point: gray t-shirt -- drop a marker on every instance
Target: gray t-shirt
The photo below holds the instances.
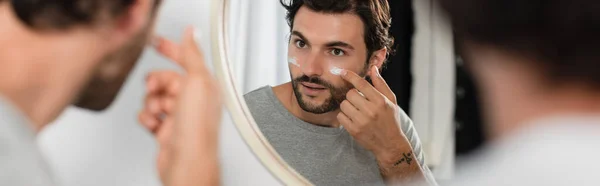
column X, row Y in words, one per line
column 324, row 156
column 21, row 164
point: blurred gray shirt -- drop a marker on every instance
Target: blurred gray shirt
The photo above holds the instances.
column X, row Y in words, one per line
column 552, row 151
column 21, row 163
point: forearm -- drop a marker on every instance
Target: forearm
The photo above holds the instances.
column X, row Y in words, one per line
column 400, row 166
column 195, row 161
column 200, row 170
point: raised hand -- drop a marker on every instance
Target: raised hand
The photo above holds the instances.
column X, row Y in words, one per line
column 183, row 111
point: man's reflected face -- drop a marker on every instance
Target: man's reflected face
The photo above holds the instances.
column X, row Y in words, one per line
column 319, row 42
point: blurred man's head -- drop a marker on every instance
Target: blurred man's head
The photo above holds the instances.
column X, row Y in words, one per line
column 522, row 52
column 126, row 25
column 348, row 34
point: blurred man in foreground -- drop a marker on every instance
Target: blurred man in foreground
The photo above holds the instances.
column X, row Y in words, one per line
column 55, row 53
column 537, row 66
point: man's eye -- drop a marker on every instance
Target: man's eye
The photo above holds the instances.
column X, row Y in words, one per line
column 300, row 44
column 337, row 52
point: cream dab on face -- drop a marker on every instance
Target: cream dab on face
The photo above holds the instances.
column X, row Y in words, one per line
column 293, row 61
column 335, row 70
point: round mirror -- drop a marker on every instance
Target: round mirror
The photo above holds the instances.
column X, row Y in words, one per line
column 291, row 89
column 234, row 99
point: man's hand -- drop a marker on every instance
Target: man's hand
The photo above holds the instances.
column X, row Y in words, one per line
column 184, row 112
column 370, row 115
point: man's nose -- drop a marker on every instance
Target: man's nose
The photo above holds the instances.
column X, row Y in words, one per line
column 313, row 65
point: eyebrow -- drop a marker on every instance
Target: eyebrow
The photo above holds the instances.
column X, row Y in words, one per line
column 298, row 34
column 339, row 44
column 330, row 44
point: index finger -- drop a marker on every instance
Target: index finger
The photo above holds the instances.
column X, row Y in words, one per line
column 193, row 59
column 360, row 84
column 187, row 54
column 168, row 49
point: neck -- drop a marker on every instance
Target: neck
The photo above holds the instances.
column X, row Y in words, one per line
column 43, row 72
column 522, row 111
column 285, row 94
column 518, row 97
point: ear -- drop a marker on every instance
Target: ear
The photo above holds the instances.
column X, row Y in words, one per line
column 378, row 57
column 133, row 20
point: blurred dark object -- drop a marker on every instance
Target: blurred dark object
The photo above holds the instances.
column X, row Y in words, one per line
column 467, row 115
column 397, row 72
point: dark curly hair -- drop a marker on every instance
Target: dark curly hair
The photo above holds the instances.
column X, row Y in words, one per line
column 62, row 14
column 375, row 15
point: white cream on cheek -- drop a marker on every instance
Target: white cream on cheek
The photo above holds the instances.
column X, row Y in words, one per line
column 332, row 69
column 338, row 71
column 335, row 70
column 293, row 61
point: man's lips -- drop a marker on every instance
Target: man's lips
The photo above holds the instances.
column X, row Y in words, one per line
column 312, row 85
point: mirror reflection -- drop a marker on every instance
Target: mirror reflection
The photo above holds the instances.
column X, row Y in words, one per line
column 314, row 79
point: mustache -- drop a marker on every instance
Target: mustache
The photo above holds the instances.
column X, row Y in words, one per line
column 315, row 80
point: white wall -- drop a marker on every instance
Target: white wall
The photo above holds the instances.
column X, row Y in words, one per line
column 111, row 148
column 259, row 37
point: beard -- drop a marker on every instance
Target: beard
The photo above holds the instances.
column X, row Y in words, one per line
column 336, row 95
column 110, row 75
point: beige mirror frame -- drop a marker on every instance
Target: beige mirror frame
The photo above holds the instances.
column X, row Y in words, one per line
column 236, row 105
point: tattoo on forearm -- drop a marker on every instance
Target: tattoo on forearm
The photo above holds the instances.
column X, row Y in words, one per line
column 406, row 157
